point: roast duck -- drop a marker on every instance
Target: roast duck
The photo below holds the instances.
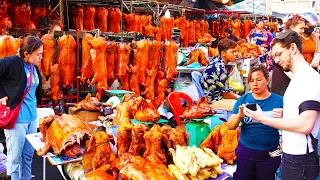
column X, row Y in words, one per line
column 20, row 14
column 101, row 19
column 89, row 13
column 67, row 60
column 114, row 19
column 198, row 110
column 37, row 12
column 78, row 16
column 86, row 66
column 236, row 28
column 166, row 25
column 223, row 141
column 8, row 46
column 63, row 134
column 49, row 45
column 246, row 28
column 4, row 6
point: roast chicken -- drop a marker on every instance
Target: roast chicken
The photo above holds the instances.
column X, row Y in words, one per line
column 67, row 60
column 78, row 16
column 89, row 14
column 103, row 152
column 139, row 168
column 123, row 114
column 89, row 103
column 86, row 65
column 223, row 141
column 20, row 14
column 99, row 174
column 8, row 46
column 153, row 143
column 99, row 65
column 114, row 19
column 138, row 144
column 62, row 132
column 124, row 138
column 101, row 19
column 198, row 110
column 49, row 45
column 55, row 84
column 36, row 13
column 146, row 111
column 198, row 56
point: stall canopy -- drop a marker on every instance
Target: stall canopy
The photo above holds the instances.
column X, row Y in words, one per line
column 279, row 15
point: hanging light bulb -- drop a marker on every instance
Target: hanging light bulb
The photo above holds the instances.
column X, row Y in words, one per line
column 167, row 14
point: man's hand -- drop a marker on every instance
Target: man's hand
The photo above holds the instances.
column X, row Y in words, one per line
column 256, row 115
column 3, row 101
column 277, row 113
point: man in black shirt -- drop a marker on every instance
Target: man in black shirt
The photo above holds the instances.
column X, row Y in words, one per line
column 230, row 35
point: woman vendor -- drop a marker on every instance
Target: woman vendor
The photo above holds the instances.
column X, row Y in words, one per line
column 256, row 139
column 214, row 77
column 258, row 35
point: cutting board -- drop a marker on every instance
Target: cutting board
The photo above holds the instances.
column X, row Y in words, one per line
column 85, row 115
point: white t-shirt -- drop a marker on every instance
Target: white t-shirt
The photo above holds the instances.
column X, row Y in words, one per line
column 304, row 86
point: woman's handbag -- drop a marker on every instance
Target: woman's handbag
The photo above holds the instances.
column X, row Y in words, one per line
column 8, row 117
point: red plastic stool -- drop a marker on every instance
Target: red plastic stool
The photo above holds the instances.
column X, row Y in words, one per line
column 174, row 99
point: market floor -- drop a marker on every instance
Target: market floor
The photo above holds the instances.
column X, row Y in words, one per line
column 52, row 172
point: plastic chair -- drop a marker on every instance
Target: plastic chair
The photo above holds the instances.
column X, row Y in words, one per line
column 174, row 100
column 196, row 76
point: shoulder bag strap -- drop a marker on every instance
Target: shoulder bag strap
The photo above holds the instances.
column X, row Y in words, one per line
column 30, row 83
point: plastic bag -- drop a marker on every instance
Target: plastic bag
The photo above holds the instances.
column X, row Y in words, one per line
column 184, row 84
column 234, row 80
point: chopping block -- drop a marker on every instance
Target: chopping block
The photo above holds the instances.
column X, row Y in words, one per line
column 85, row 115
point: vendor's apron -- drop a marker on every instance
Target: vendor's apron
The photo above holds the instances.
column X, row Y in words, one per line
column 258, row 42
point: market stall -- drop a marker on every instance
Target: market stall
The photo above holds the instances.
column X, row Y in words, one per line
column 112, row 69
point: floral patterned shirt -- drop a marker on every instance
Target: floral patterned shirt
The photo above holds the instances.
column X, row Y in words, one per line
column 214, row 79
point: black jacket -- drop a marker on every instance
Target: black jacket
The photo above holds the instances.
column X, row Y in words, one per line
column 13, row 80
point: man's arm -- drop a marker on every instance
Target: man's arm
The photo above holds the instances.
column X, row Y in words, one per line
column 230, row 95
column 303, row 124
